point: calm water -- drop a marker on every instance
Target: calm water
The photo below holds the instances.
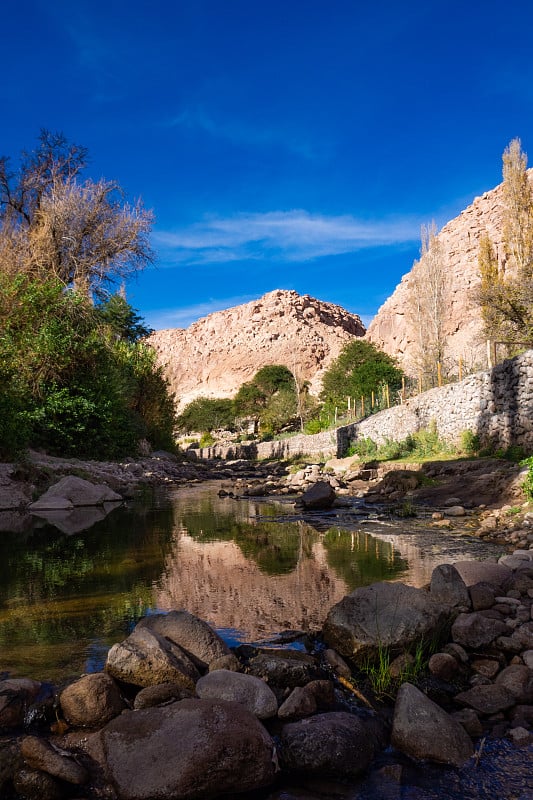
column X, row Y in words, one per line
column 248, row 567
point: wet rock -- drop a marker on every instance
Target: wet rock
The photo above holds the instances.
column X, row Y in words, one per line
column 335, row 743
column 323, row 692
column 320, row 495
column 192, row 749
column 518, row 680
column 36, row 785
column 41, row 755
column 160, row 694
column 146, row 659
column 283, row 668
column 247, row 690
column 420, row 728
column 300, row 703
column 16, row 695
column 91, row 701
column 474, row 630
column 381, row 615
column 10, row 763
column 489, row 699
column 337, row 663
column 230, row 662
column 447, row 587
column 71, row 491
column 201, row 643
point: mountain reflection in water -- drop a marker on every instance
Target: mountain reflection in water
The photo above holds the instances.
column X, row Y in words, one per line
column 64, row 599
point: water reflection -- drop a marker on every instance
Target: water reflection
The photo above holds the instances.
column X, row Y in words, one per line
column 65, row 598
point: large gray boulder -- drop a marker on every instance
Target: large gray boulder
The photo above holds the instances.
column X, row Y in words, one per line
column 473, row 572
column 146, row 659
column 384, row 614
column 335, row 743
column 319, row 496
column 421, row 729
column 193, row 750
column 447, row 587
column 202, row 644
column 247, row 690
column 71, row 491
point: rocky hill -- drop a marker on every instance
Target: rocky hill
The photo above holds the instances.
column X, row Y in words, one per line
column 217, row 354
column 392, row 329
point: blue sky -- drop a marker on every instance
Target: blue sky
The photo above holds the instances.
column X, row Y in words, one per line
column 296, row 144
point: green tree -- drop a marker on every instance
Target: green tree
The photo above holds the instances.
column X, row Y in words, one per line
column 359, row 370
column 270, row 398
column 506, row 288
column 206, row 414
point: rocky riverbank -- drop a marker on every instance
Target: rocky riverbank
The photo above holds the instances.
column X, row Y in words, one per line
column 178, row 714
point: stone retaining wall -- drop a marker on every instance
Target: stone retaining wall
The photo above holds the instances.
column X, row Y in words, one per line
column 496, row 405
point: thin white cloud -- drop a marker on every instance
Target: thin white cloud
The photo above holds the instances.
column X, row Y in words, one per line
column 183, row 317
column 291, row 235
column 241, row 133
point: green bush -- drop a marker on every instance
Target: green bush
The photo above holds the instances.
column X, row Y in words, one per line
column 365, row 448
column 528, row 482
column 469, row 442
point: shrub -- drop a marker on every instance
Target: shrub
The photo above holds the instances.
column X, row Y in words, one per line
column 469, row 442
column 365, row 447
column 528, row 482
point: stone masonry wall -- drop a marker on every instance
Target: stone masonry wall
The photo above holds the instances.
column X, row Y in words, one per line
column 496, row 405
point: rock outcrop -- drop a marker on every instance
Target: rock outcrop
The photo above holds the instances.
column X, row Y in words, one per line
column 217, row 354
column 394, row 331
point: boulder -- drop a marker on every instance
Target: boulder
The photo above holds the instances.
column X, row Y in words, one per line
column 381, row 615
column 71, row 491
column 300, row 703
column 443, row 665
column 421, row 729
column 146, row 659
column 518, row 680
column 320, row 495
column 194, row 749
column 473, row 572
column 283, row 669
column 335, row 743
column 247, row 690
column 474, row 630
column 160, row 694
column 201, row 643
column 91, row 701
column 41, row 755
column 16, row 694
column 447, row 587
column 33, row 784
column 486, row 699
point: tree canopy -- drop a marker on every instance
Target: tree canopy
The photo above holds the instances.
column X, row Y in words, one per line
column 506, row 280
column 359, row 370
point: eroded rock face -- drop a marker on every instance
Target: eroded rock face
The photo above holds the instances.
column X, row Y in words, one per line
column 217, row 354
column 381, row 615
column 422, row 729
column 191, row 749
column 393, row 330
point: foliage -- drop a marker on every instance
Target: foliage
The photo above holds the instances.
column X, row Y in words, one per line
column 429, row 297
column 359, row 370
column 421, row 445
column 271, row 397
column 506, row 286
column 469, row 443
column 207, row 440
column 122, row 319
column 528, row 482
column 205, row 414
column 54, row 224
column 70, row 384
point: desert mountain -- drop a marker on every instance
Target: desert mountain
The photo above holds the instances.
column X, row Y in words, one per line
column 215, row 355
column 393, row 329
